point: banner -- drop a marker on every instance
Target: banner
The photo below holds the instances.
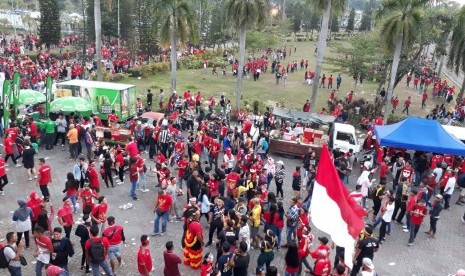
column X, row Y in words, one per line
column 6, row 103
column 16, row 87
column 48, row 94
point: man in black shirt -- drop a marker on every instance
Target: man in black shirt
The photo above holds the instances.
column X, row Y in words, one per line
column 366, row 248
column 223, row 263
column 193, row 185
column 149, row 98
column 62, row 249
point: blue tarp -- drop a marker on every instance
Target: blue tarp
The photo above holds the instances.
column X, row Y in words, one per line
column 419, row 134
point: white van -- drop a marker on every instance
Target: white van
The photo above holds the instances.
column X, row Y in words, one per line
column 343, row 136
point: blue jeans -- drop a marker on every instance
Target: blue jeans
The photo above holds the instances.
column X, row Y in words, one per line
column 73, row 200
column 269, row 177
column 407, row 219
column 180, row 180
column 104, row 265
column 39, row 266
column 14, row 271
column 290, row 230
column 378, row 221
column 290, row 274
column 133, row 189
column 164, row 221
column 364, row 201
column 278, row 237
column 142, row 181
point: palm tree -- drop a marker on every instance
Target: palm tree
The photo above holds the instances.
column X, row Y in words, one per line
column 177, row 24
column 457, row 48
column 399, row 31
column 98, row 38
column 244, row 14
column 326, row 6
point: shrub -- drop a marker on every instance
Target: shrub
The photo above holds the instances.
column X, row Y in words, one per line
column 395, row 118
column 135, row 71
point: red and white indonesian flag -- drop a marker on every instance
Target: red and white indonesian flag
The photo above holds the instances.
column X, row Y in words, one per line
column 333, row 211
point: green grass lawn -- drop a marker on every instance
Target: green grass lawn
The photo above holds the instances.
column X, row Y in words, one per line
column 293, row 95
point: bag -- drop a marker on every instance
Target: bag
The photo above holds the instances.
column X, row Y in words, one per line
column 97, row 251
column 23, row 261
column 145, row 168
column 3, row 262
column 289, row 222
column 371, row 192
column 160, row 212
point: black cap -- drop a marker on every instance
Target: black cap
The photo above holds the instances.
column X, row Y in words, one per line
column 324, row 240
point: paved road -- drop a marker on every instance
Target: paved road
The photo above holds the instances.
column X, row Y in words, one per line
column 427, row 257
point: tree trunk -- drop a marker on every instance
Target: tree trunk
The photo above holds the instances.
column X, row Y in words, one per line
column 173, row 55
column 392, row 79
column 240, row 68
column 441, row 63
column 323, row 34
column 98, row 38
column 462, row 89
column 284, row 9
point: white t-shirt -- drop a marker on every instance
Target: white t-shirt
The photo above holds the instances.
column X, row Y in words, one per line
column 10, row 254
column 387, row 216
column 368, row 273
column 450, row 184
column 244, row 233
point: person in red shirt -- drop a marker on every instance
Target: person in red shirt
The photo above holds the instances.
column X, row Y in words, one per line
column 424, row 98
column 112, row 118
column 9, row 144
column 417, row 214
column 144, row 258
column 99, row 212
column 407, row 172
column 306, row 107
column 161, row 210
column 33, row 131
column 44, row 248
column 350, row 97
column 3, row 176
column 194, row 241
column 395, row 103
column 115, row 235
column 171, row 261
column 182, row 166
column 94, row 182
column 65, row 216
column 322, row 264
column 44, row 177
column 407, row 104
column 97, row 261
column 246, row 127
column 119, row 164
column 87, row 195
column 131, row 147
column 383, row 168
column 213, row 152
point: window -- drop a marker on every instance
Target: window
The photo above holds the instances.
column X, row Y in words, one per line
column 346, row 137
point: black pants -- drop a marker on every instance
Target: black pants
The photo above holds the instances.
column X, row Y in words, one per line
column 26, row 237
column 152, row 148
column 7, row 156
column 356, row 268
column 214, row 225
column 60, row 135
column 446, row 201
column 164, row 149
column 49, row 141
column 432, row 224
column 45, row 192
column 376, row 207
column 68, row 231
column 279, row 189
column 83, row 257
column 121, row 173
column 73, row 150
column 108, row 176
column 382, row 230
column 3, row 182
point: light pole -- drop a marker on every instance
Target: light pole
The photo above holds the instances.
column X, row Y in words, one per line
column 119, row 35
column 13, row 15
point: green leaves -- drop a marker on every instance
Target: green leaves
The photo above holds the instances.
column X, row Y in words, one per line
column 50, row 24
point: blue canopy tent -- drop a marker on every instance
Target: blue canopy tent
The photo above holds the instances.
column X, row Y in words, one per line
column 419, row 134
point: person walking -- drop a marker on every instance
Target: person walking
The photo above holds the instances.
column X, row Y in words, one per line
column 28, row 159
column 22, row 218
column 97, row 252
column 65, row 216
column 386, row 218
column 89, row 142
column 133, row 177
column 61, row 126
column 436, row 208
column 13, row 253
column 417, row 214
column 291, row 220
column 72, row 136
column 171, row 261
column 82, row 231
column 9, row 146
column 144, row 259
column 162, row 210
column 115, row 235
column 194, row 241
column 3, row 176
column 62, row 249
column 44, row 178
column 107, row 166
column 43, row 250
column 407, row 104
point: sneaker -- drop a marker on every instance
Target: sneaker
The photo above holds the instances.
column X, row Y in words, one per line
column 3, row 193
column 155, row 234
column 30, row 179
column 119, row 183
column 410, row 244
column 171, row 220
column 162, row 233
column 406, row 230
column 404, row 226
column 18, row 165
column 145, row 190
column 35, row 176
column 135, row 198
column 209, row 243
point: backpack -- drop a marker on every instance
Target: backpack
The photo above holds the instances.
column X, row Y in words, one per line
column 97, row 251
column 265, row 145
column 3, row 261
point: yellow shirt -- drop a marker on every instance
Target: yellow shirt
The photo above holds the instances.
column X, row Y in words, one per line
column 72, row 136
column 256, row 212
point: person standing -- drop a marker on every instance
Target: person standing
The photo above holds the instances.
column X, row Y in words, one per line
column 89, row 142
column 407, row 104
column 115, row 235
column 3, row 176
column 9, row 144
column 171, row 261
column 162, row 210
column 160, row 99
column 436, row 208
column 13, row 254
column 72, row 136
column 61, row 125
column 43, row 250
column 65, row 216
column 28, row 159
column 240, row 260
column 291, row 220
column 144, row 259
column 22, row 218
column 449, row 190
column 417, row 214
column 194, row 241
column 338, row 81
column 255, row 217
column 99, row 212
column 62, row 249
column 365, row 248
column 386, row 218
column 82, row 231
column 107, row 167
column 133, row 177
column 149, row 98
column 97, row 252
column 49, row 133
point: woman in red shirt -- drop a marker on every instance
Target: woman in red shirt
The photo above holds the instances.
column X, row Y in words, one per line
column 65, row 216
column 36, row 204
column 94, row 182
column 71, row 189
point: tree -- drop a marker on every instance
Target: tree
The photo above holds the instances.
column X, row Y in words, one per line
column 177, row 23
column 98, row 38
column 146, row 27
column 457, row 48
column 351, row 21
column 219, row 31
column 402, row 19
column 50, row 24
column 326, row 6
column 365, row 22
column 334, row 23
column 244, row 14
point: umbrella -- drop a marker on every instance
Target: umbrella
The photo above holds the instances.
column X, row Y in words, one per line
column 27, row 97
column 71, row 104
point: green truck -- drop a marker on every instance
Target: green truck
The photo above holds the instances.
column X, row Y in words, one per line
column 103, row 96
